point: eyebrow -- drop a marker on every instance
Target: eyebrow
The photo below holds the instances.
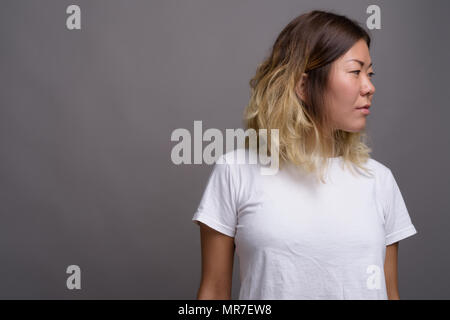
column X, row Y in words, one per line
column 360, row 62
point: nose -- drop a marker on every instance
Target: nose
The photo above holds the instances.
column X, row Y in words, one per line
column 368, row 87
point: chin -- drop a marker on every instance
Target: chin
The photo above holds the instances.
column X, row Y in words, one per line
column 354, row 129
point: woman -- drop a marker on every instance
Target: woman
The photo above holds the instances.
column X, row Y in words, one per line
column 298, row 237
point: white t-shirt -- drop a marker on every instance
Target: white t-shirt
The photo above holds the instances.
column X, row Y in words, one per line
column 297, row 238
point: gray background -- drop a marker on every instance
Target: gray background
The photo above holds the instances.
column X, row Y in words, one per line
column 86, row 119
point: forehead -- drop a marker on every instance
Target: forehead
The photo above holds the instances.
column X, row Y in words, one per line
column 359, row 51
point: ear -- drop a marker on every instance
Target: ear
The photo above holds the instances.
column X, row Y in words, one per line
column 300, row 87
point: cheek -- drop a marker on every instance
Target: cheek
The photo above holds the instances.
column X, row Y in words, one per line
column 343, row 95
column 347, row 90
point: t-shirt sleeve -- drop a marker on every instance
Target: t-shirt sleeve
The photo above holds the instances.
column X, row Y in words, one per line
column 398, row 223
column 217, row 207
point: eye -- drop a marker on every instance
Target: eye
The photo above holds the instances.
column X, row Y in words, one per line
column 371, row 74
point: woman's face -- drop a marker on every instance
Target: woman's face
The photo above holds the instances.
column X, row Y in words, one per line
column 350, row 87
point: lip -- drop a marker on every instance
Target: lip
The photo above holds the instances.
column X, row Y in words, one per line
column 364, row 109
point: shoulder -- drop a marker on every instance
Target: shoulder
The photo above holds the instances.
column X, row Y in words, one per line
column 243, row 164
column 384, row 177
column 241, row 157
column 380, row 169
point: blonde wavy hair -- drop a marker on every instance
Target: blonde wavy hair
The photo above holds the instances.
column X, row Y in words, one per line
column 308, row 44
